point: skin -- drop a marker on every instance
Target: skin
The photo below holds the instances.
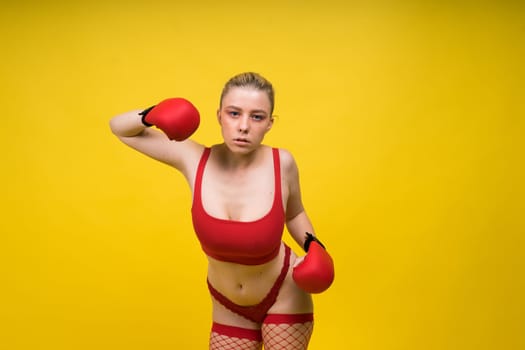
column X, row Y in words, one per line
column 237, row 185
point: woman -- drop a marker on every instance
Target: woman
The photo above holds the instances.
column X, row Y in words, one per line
column 244, row 193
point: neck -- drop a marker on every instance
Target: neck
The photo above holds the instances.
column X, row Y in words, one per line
column 234, row 160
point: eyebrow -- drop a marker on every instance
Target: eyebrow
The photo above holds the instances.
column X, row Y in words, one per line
column 252, row 111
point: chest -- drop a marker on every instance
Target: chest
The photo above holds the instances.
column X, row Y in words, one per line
column 241, row 196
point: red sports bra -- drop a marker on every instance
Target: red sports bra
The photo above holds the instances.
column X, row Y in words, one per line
column 249, row 243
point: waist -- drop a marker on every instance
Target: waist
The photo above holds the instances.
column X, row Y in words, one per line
column 245, row 284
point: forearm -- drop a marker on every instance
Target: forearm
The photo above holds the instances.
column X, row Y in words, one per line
column 298, row 226
column 127, row 124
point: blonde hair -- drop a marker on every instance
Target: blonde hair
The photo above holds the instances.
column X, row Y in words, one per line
column 253, row 80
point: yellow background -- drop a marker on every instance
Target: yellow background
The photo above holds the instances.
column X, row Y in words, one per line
column 406, row 120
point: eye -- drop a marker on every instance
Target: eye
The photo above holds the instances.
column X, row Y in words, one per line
column 234, row 113
column 258, row 117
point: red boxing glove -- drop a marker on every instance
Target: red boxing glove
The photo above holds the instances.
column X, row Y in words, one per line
column 177, row 117
column 316, row 272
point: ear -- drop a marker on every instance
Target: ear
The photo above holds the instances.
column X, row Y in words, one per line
column 219, row 115
column 270, row 124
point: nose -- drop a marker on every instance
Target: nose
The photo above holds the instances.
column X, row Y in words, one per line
column 244, row 124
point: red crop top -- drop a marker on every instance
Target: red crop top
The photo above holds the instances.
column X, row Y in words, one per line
column 249, row 243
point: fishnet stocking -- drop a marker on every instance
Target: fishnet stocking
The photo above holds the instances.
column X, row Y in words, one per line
column 285, row 336
column 225, row 342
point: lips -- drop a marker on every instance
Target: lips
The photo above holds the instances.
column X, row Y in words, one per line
column 241, row 141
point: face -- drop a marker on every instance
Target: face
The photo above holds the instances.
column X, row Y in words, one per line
column 245, row 118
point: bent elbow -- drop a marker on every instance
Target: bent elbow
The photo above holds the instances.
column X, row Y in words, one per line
column 113, row 126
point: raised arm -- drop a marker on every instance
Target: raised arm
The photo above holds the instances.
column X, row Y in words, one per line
column 131, row 130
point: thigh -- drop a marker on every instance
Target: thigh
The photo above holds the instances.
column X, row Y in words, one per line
column 231, row 331
column 287, row 331
column 223, row 337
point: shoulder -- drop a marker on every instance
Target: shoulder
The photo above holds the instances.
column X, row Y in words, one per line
column 189, row 149
column 286, row 156
column 189, row 154
column 288, row 164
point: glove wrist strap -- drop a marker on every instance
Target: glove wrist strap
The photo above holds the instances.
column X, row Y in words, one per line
column 309, row 239
column 143, row 115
